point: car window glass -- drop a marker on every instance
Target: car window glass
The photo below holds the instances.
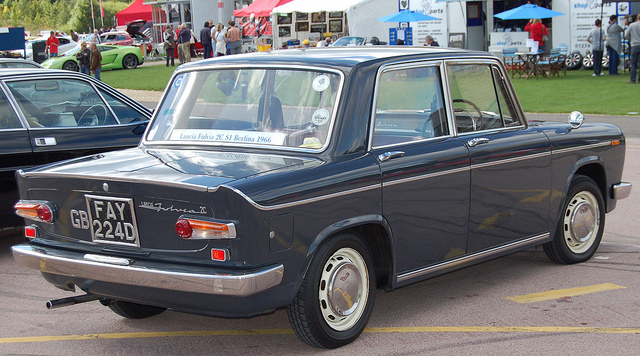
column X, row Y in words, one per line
column 8, row 118
column 409, row 106
column 60, row 103
column 123, row 111
column 509, row 116
column 273, row 107
column 475, row 102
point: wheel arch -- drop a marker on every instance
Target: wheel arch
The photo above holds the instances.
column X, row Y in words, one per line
column 374, row 231
column 592, row 167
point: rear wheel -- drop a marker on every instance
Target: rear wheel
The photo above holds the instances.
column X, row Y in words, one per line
column 129, row 61
column 131, row 310
column 336, row 297
column 581, row 225
column 70, row 65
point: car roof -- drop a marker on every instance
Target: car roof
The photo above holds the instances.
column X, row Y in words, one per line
column 10, row 73
column 339, row 56
column 19, row 60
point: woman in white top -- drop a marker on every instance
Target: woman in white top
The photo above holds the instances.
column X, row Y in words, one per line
column 221, row 41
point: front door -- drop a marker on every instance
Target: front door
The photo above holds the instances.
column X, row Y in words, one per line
column 510, row 163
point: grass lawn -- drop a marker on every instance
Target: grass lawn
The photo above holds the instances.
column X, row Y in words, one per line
column 579, row 90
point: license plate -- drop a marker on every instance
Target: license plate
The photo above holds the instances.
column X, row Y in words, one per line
column 112, row 220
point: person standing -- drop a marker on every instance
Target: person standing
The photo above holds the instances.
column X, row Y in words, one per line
column 221, row 41
column 52, row 45
column 84, row 59
column 596, row 39
column 234, row 35
column 633, row 35
column 205, row 39
column 169, row 44
column 537, row 31
column 96, row 36
column 96, row 61
column 614, row 44
column 184, row 44
column 429, row 42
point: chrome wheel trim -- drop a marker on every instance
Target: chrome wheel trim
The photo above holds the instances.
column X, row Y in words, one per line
column 344, row 289
column 581, row 222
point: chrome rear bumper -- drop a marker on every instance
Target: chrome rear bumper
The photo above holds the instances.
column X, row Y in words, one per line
column 162, row 276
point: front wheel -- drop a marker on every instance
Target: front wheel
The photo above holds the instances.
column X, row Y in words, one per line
column 581, row 225
column 336, row 297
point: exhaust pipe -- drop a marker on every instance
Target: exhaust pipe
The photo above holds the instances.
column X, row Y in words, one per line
column 65, row 302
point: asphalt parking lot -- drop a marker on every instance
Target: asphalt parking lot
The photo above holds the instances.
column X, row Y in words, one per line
column 522, row 304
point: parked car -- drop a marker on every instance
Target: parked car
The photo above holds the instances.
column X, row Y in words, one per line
column 131, row 37
column 356, row 41
column 306, row 180
column 65, row 44
column 113, row 57
column 18, row 63
column 48, row 116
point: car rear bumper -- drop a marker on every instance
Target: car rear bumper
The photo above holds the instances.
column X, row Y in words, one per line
column 147, row 274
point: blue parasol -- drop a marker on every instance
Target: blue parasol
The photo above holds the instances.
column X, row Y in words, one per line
column 407, row 16
column 527, row 11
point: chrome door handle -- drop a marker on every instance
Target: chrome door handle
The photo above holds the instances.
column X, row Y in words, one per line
column 477, row 141
column 45, row 141
column 389, row 155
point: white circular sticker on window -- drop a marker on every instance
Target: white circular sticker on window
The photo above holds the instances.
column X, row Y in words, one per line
column 320, row 117
column 321, row 83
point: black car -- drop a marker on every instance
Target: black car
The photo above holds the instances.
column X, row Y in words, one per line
column 48, row 116
column 307, row 179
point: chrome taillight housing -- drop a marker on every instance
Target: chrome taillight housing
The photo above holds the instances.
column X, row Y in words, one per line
column 37, row 210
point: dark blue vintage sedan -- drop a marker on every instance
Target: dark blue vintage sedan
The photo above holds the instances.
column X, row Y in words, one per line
column 307, row 179
column 48, row 116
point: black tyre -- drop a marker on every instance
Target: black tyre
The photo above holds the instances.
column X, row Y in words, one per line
column 129, row 61
column 336, row 297
column 131, row 310
column 581, row 225
column 574, row 61
column 70, row 65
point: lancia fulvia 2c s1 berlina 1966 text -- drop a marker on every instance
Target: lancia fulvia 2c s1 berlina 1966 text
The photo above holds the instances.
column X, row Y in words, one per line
column 308, row 178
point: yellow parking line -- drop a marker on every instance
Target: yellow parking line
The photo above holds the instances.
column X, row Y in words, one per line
column 426, row 329
column 555, row 294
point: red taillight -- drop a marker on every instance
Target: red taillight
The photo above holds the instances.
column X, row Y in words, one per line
column 197, row 228
column 183, row 228
column 36, row 210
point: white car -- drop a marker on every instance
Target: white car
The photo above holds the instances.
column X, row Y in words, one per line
column 66, row 43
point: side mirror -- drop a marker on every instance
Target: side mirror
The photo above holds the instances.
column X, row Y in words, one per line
column 576, row 119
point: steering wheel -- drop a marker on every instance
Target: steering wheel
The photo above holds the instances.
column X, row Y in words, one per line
column 95, row 115
column 477, row 123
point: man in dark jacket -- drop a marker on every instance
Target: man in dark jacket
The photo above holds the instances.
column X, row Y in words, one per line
column 184, row 41
column 84, row 58
column 205, row 39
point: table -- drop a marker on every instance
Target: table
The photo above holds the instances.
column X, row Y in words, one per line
column 530, row 63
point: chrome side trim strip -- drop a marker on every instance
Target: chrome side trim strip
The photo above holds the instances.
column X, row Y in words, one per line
column 580, row 148
column 470, row 258
column 621, row 190
column 200, row 188
column 511, row 160
column 222, row 282
column 303, row 201
column 425, row 176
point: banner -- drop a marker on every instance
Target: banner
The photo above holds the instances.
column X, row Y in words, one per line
column 435, row 28
column 583, row 19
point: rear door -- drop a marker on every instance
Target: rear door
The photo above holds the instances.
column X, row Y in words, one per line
column 15, row 153
column 510, row 163
column 425, row 169
column 68, row 118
